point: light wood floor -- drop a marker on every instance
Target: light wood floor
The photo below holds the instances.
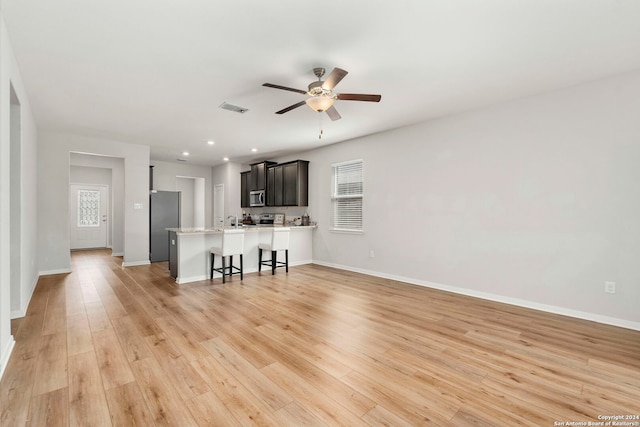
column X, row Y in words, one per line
column 111, row 346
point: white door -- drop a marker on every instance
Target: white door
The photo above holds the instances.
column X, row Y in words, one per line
column 88, row 220
column 218, row 205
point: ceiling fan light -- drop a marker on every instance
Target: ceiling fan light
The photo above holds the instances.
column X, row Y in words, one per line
column 320, row 103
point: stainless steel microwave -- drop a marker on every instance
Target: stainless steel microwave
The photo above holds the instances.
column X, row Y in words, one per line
column 256, row 198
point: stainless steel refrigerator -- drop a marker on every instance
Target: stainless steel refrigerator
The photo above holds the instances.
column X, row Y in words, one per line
column 164, row 211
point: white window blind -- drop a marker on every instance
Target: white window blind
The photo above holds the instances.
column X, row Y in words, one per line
column 347, row 194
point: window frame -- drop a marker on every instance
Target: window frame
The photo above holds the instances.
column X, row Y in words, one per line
column 335, row 198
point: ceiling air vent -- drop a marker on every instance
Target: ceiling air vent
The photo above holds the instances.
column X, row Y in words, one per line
column 235, row 108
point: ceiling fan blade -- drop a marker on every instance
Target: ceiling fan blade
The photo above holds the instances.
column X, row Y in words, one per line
column 304, row 92
column 333, row 113
column 291, row 107
column 334, row 78
column 359, row 97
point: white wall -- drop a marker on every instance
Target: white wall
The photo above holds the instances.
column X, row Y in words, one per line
column 28, row 209
column 54, row 150
column 187, row 191
column 15, row 184
column 533, row 202
column 199, row 202
column 228, row 174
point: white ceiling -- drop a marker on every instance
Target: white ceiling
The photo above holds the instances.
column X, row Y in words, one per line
column 155, row 72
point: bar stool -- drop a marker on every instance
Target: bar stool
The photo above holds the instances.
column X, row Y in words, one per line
column 232, row 244
column 279, row 242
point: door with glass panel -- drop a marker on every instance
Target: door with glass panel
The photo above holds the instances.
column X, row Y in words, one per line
column 88, row 216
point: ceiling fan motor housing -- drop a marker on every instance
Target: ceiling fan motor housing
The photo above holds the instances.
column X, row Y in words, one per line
column 319, row 72
column 315, row 88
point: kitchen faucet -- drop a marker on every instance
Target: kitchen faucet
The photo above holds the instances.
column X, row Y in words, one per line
column 236, row 219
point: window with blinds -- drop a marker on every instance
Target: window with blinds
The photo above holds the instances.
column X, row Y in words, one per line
column 347, row 194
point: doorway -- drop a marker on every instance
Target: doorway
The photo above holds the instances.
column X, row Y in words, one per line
column 88, row 216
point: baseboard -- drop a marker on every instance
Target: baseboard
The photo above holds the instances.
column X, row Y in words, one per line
column 183, row 280
column 117, row 253
column 135, row 263
column 6, row 353
column 50, row 272
column 16, row 314
column 495, row 297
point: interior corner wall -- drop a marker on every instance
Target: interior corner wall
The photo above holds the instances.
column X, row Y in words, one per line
column 186, row 187
column 199, row 204
column 10, row 76
column 533, row 202
column 53, row 196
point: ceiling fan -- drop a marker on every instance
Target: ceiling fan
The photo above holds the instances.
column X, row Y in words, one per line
column 321, row 96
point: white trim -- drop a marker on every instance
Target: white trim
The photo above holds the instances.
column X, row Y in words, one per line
column 135, row 263
column 345, row 231
column 622, row 323
column 346, row 220
column 16, row 314
column 183, row 280
column 117, row 253
column 50, row 272
column 6, row 354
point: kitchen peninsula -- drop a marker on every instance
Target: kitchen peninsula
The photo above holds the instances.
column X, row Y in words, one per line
column 189, row 255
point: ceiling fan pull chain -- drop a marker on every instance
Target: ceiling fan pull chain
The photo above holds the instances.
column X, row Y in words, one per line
column 320, row 125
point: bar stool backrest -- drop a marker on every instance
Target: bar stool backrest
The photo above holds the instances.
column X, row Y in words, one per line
column 280, row 238
column 232, row 242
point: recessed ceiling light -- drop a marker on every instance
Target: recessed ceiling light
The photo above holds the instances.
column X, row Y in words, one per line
column 210, row 142
column 254, row 149
column 226, row 159
column 185, row 153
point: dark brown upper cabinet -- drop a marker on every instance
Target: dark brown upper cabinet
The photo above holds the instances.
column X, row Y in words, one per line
column 288, row 184
column 259, row 176
column 245, row 180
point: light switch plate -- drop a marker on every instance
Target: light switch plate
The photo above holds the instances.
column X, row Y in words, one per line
column 138, row 206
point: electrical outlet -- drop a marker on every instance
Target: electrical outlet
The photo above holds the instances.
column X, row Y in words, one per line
column 372, row 254
column 610, row 287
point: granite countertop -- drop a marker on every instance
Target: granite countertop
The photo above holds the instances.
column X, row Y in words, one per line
column 250, row 228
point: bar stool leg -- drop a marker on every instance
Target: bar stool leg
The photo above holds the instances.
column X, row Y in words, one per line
column 274, row 255
column 212, row 259
column 241, row 268
column 286, row 259
column 224, row 269
column 230, row 265
column 259, row 260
